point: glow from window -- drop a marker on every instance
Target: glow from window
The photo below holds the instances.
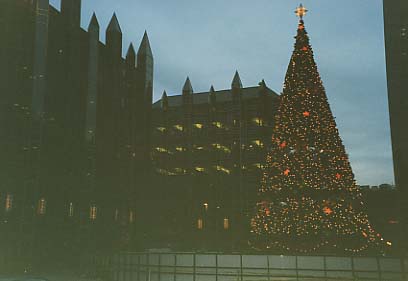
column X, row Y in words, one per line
column 258, row 165
column 198, row 125
column 178, row 127
column 93, row 212
column 161, row 129
column 221, row 147
column 180, row 171
column 165, row 172
column 161, row 149
column 180, row 149
column 198, row 147
column 131, row 216
column 71, row 209
column 218, row 124
column 258, row 143
column 200, row 224
column 42, row 206
column 258, row 121
column 222, row 169
column 205, row 206
column 199, row 169
column 226, row 223
column 9, row 202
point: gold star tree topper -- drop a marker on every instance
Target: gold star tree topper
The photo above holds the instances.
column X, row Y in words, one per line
column 301, row 11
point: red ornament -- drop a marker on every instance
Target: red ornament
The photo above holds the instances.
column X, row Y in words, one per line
column 305, row 48
column 364, row 234
column 267, row 211
column 306, row 113
column 301, row 26
column 338, row 176
column 327, row 210
column 283, row 144
column 286, row 172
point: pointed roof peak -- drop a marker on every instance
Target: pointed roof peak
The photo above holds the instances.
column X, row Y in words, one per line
column 145, row 48
column 114, row 25
column 164, row 94
column 262, row 83
column 131, row 51
column 211, row 96
column 187, row 88
column 94, row 22
column 236, row 82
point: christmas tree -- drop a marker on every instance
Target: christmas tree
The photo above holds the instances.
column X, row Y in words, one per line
column 308, row 199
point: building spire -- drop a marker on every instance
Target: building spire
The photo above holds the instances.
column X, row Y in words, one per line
column 131, row 55
column 131, row 51
column 236, row 82
column 164, row 100
column 187, row 88
column 144, row 49
column 212, row 96
column 93, row 24
column 114, row 25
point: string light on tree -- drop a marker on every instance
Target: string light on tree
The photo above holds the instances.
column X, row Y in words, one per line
column 309, row 200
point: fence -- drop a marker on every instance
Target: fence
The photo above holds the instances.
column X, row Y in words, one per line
column 241, row 267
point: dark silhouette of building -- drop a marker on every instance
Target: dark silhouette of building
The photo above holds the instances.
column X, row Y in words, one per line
column 208, row 150
column 396, row 46
column 75, row 129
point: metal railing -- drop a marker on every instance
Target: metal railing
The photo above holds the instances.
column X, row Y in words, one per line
column 241, row 267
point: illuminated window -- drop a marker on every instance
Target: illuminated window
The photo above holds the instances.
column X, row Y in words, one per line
column 131, row 216
column 42, row 206
column 180, row 149
column 180, row 171
column 198, row 147
column 199, row 169
column 9, row 202
column 200, row 224
column 226, row 223
column 198, row 125
column 71, row 209
column 221, row 147
column 93, row 211
column 258, row 121
column 178, row 127
column 218, row 124
column 258, row 143
column 161, row 149
column 161, row 129
column 222, row 169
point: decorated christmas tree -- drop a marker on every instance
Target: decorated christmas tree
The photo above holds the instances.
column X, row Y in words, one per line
column 308, row 199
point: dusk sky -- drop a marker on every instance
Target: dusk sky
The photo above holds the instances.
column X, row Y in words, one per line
column 208, row 40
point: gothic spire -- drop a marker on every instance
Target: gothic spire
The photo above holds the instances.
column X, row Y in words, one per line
column 144, row 49
column 187, row 88
column 211, row 95
column 114, row 25
column 93, row 24
column 236, row 82
column 131, row 51
column 164, row 100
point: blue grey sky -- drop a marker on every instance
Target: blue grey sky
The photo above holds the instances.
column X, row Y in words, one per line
column 209, row 39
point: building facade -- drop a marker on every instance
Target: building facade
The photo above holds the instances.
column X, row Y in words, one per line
column 74, row 116
column 396, row 47
column 208, row 150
